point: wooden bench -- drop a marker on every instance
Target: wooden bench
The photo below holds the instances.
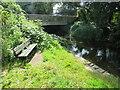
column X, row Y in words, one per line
column 24, row 49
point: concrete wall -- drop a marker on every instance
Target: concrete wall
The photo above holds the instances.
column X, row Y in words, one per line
column 51, row 19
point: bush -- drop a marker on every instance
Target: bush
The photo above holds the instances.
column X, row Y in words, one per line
column 16, row 28
column 11, row 33
column 85, row 32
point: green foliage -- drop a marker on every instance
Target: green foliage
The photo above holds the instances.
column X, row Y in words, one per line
column 59, row 70
column 37, row 7
column 16, row 28
column 83, row 15
column 102, row 13
column 115, row 34
column 37, row 35
column 105, row 16
column 85, row 32
column 11, row 34
column 68, row 8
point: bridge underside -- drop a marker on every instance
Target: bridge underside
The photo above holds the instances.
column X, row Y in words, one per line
column 51, row 20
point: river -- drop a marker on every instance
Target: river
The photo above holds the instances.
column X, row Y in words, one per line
column 101, row 55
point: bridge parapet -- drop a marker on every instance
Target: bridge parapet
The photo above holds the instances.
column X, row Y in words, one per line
column 51, row 19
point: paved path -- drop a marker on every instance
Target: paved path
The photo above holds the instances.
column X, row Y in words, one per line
column 37, row 59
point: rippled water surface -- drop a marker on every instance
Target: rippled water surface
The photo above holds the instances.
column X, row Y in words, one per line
column 106, row 58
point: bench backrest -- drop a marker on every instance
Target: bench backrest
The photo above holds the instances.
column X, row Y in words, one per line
column 21, row 47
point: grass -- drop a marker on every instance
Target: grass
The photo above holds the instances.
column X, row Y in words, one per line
column 58, row 70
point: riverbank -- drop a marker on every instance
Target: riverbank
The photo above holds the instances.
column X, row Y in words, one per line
column 91, row 66
column 59, row 69
column 107, row 59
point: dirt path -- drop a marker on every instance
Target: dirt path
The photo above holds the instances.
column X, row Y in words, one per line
column 37, row 59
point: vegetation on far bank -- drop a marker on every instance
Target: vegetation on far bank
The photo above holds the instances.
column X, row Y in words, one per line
column 98, row 22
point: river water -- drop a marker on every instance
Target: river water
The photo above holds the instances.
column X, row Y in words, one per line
column 102, row 56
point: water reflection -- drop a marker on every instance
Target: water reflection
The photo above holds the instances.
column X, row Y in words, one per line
column 106, row 58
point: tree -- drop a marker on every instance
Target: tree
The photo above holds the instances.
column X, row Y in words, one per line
column 102, row 14
column 105, row 16
column 37, row 7
column 68, row 8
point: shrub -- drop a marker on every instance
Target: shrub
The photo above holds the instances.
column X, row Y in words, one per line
column 85, row 32
column 16, row 28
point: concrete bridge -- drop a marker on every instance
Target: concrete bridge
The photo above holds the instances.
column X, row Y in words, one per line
column 51, row 19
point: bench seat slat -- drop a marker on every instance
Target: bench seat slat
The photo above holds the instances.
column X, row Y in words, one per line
column 19, row 48
column 26, row 52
